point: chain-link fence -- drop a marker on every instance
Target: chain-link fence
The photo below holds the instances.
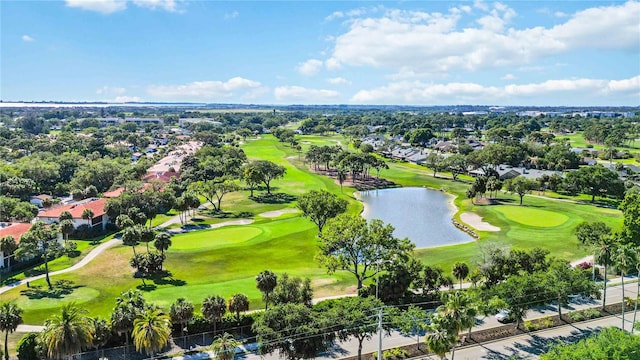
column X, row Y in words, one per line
column 178, row 345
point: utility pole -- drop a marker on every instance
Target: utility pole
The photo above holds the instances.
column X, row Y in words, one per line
column 380, row 334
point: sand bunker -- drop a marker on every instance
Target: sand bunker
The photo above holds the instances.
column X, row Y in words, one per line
column 276, row 213
column 475, row 221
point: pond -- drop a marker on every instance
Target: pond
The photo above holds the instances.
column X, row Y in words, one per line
column 420, row 214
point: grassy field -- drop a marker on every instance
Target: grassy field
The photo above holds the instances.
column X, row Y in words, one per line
column 578, row 140
column 555, row 220
column 225, row 261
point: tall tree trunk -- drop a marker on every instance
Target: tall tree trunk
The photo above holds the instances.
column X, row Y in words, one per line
column 359, row 349
column 635, row 308
column 46, row 271
column 623, row 301
column 559, row 309
column 6, row 345
column 604, row 292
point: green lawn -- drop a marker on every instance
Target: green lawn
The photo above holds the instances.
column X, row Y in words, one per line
column 225, row 261
column 578, row 140
column 531, row 216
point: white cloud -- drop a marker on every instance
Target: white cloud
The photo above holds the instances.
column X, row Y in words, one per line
column 299, row 94
column 436, row 42
column 123, row 99
column 111, row 6
column 310, row 67
column 27, row 38
column 338, row 81
column 508, row 77
column 110, row 90
column 334, row 15
column 204, row 90
column 231, row 15
column 101, row 6
column 422, row 93
column 168, row 5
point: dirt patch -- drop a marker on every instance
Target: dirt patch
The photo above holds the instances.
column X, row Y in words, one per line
column 476, row 222
column 276, row 213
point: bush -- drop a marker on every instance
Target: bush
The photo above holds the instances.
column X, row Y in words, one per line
column 85, row 231
column 545, row 323
column 591, row 313
column 71, row 249
column 28, row 348
column 529, row 325
column 576, row 316
column 395, row 353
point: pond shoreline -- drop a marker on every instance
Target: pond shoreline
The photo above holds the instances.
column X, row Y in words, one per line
column 450, row 205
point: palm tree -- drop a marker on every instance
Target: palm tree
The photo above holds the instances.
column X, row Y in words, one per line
column 87, row 214
column 66, row 226
column 181, row 312
column 213, row 308
column 122, row 319
column 101, row 332
column 151, row 331
column 10, row 318
column 224, row 347
column 457, row 313
column 128, row 305
column 131, row 237
column 68, row 332
column 460, row 271
column 238, row 303
column 439, row 341
column 65, row 215
column 637, row 265
column 266, row 281
column 624, row 259
column 8, row 245
column 162, row 242
column 603, row 254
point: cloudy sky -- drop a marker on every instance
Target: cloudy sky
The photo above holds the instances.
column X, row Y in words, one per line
column 322, row 52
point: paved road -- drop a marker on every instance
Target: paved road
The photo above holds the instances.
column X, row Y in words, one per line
column 532, row 345
column 87, row 259
column 496, row 350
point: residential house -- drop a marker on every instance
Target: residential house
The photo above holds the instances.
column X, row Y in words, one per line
column 96, row 205
column 15, row 230
column 39, row 200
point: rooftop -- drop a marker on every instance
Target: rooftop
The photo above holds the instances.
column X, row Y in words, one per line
column 14, row 230
column 95, row 204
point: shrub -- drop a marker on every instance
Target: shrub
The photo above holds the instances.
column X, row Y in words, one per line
column 545, row 323
column 591, row 313
column 395, row 353
column 71, row 249
column 28, row 348
column 529, row 325
column 576, row 316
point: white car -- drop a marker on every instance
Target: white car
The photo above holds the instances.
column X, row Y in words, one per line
column 503, row 316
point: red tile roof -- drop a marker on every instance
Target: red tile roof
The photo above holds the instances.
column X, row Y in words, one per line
column 76, row 209
column 117, row 192
column 15, row 230
column 164, row 177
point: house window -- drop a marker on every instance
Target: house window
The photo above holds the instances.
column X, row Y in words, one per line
column 96, row 220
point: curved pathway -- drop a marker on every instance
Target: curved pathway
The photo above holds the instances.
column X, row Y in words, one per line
column 90, row 256
column 102, row 247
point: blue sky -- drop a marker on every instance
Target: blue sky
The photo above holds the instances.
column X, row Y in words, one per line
column 322, row 52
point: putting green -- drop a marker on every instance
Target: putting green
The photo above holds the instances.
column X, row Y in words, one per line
column 206, row 240
column 79, row 296
column 532, row 216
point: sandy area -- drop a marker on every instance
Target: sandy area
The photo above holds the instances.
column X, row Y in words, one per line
column 276, row 213
column 588, row 258
column 475, row 221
